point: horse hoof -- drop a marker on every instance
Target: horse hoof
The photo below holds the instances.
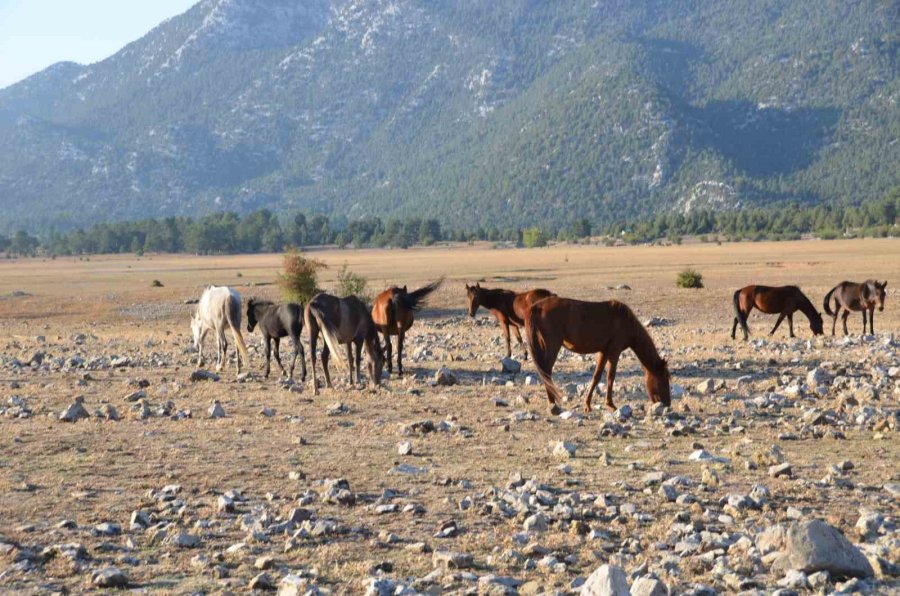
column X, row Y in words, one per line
column 555, row 410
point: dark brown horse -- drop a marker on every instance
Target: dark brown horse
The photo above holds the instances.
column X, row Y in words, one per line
column 394, row 312
column 783, row 301
column 609, row 328
column 342, row 321
column 276, row 321
column 853, row 296
column 508, row 307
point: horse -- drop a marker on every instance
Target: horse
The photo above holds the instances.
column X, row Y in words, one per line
column 853, row 296
column 219, row 307
column 276, row 321
column 394, row 312
column 606, row 328
column 342, row 321
column 784, row 300
column 507, row 306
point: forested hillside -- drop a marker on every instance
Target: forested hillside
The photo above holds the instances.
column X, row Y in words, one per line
column 500, row 114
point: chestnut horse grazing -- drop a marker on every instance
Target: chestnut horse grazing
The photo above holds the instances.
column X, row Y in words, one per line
column 394, row 312
column 609, row 328
column 342, row 321
column 508, row 307
column 783, row 301
column 853, row 296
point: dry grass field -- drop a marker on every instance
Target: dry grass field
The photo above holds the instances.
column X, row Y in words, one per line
column 97, row 329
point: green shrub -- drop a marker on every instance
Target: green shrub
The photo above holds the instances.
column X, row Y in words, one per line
column 828, row 234
column 351, row 284
column 689, row 278
column 299, row 282
column 534, row 238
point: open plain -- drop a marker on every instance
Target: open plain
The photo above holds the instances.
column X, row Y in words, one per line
column 493, row 495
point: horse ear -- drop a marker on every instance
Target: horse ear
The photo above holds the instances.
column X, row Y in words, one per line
column 884, row 285
column 404, row 288
column 478, row 284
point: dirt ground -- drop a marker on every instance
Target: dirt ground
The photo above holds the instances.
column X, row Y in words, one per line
column 102, row 331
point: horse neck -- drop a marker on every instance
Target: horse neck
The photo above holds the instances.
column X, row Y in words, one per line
column 496, row 299
column 643, row 347
column 806, row 307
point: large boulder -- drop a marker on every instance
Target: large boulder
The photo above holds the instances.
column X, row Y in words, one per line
column 813, row 546
column 606, row 580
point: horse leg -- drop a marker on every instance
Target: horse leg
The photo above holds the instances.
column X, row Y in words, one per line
column 298, row 348
column 325, row 354
column 312, row 362
column 277, row 341
column 872, row 320
column 505, row 326
column 350, row 362
column 777, row 323
column 610, row 379
column 521, row 343
column 837, row 311
column 388, row 352
column 744, row 327
column 401, row 335
column 865, row 321
column 219, row 351
column 734, row 327
column 267, row 367
column 358, row 346
column 844, row 321
column 598, row 374
column 790, row 318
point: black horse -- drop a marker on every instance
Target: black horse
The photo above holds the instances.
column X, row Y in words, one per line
column 277, row 321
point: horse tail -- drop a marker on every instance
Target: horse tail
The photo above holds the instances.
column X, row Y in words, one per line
column 328, row 331
column 415, row 299
column 538, row 351
column 738, row 311
column 233, row 319
column 828, row 300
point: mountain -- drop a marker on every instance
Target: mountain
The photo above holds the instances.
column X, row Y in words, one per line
column 502, row 112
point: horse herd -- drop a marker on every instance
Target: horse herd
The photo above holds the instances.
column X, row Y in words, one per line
column 550, row 323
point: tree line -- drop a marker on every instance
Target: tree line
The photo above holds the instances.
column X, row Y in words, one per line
column 265, row 232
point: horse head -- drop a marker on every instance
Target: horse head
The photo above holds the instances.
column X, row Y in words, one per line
column 376, row 356
column 473, row 293
column 815, row 323
column 196, row 329
column 880, row 294
column 658, row 384
column 251, row 316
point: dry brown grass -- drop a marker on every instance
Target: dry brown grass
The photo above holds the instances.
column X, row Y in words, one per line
column 116, row 463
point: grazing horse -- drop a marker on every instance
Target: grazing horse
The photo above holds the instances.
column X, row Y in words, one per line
column 394, row 311
column 853, row 296
column 508, row 307
column 609, row 328
column 782, row 300
column 276, row 321
column 342, row 321
column 219, row 308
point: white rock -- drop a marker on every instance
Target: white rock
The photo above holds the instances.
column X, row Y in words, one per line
column 606, row 580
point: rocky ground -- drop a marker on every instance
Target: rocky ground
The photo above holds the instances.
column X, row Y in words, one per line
column 124, row 465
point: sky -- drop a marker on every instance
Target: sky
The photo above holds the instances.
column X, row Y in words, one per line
column 37, row 33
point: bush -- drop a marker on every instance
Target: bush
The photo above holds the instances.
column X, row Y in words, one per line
column 351, row 284
column 828, row 234
column 689, row 278
column 299, row 282
column 534, row 238
column 156, row 284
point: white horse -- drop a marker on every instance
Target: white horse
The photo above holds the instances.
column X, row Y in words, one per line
column 219, row 308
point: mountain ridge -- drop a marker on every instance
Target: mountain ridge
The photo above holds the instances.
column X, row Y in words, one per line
column 512, row 111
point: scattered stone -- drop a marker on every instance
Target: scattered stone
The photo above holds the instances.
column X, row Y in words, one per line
column 444, row 378
column 203, row 375
column 110, row 577
column 814, row 545
column 261, row 582
column 405, row 448
column 75, row 411
column 606, row 580
column 648, row 586
column 216, row 410
column 510, row 365
column 780, row 470
column 451, row 560
column 563, row 449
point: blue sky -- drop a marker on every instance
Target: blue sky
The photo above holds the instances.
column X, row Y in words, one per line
column 37, row 33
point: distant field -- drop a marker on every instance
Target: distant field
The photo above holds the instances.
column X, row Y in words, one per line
column 497, row 425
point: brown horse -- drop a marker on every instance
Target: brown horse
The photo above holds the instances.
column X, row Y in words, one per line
column 342, row 321
column 609, row 328
column 508, row 307
column 394, row 312
column 782, row 300
column 853, row 296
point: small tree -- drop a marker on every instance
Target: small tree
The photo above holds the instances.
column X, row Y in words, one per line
column 299, row 282
column 534, row 238
column 351, row 284
column 689, row 278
